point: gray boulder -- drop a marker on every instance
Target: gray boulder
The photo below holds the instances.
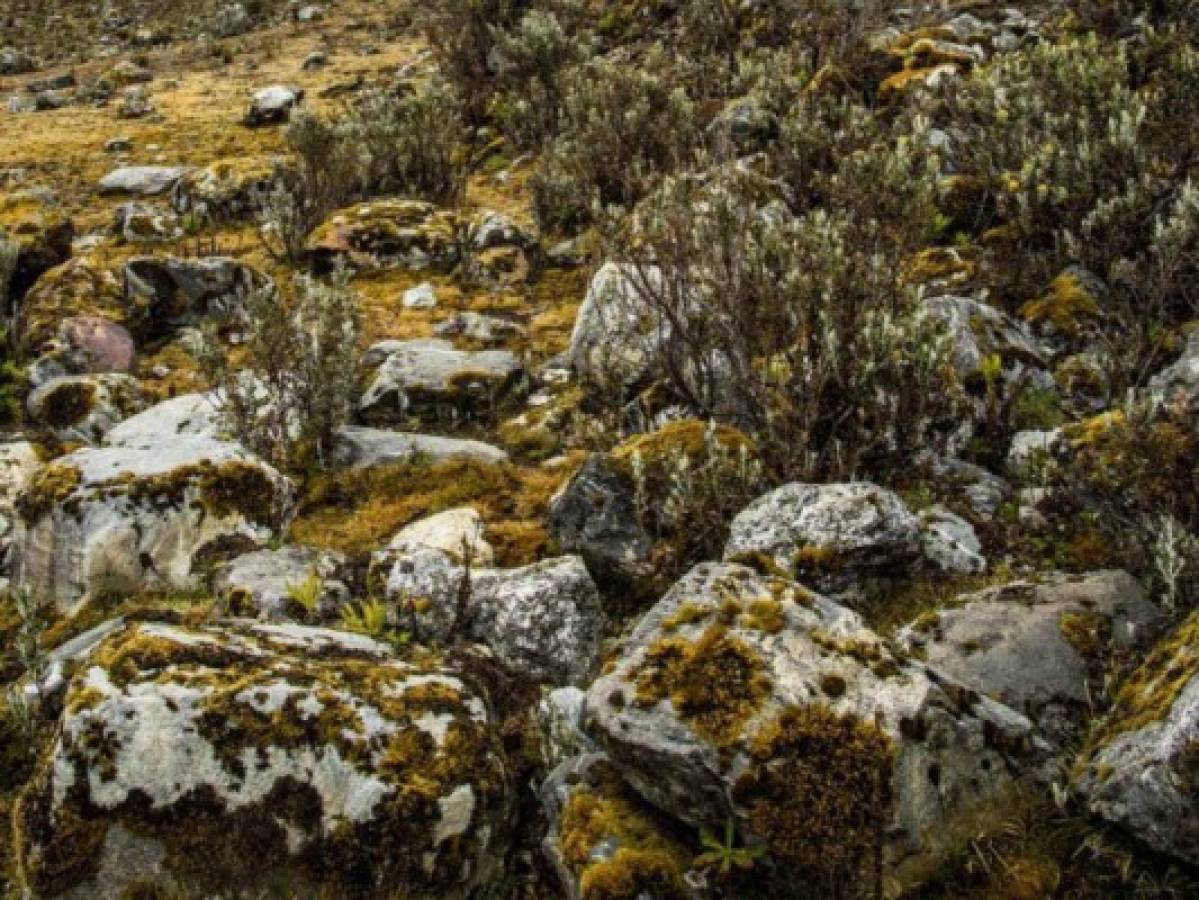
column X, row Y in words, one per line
column 15, row 62
column 83, row 408
column 19, row 461
column 456, row 532
column 145, row 181
column 1179, row 382
column 543, row 621
column 747, row 698
column 618, row 339
column 979, row 330
column 189, row 415
column 361, row 447
column 261, row 584
column 273, row 105
column 216, row 761
column 559, row 719
column 1139, row 769
column 133, row 519
column 981, row 489
column 164, row 293
column 231, row 20
column 1039, row 647
column 949, row 543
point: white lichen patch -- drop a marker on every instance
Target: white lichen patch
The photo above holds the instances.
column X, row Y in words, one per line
column 457, row 810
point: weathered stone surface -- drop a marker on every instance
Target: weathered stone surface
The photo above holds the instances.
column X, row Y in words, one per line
column 478, row 327
column 430, row 376
column 229, row 189
column 543, row 621
column 83, row 408
column 130, row 519
column 617, row 339
column 81, row 286
column 15, row 62
column 218, row 760
column 751, row 698
column 164, row 293
column 19, row 460
column 360, row 447
column 1179, row 382
column 984, row 491
column 43, row 233
column 558, row 717
column 1038, row 647
column 273, row 105
column 829, row 533
column 455, row 532
column 949, row 542
column 231, row 20
column 595, row 516
column 387, row 233
column 260, row 584
column 145, row 181
column 1140, row 770
column 189, row 415
column 980, row 330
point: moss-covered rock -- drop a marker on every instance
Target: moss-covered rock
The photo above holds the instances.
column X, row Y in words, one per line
column 750, row 697
column 228, row 189
column 404, row 233
column 237, row 756
column 43, row 234
column 84, row 408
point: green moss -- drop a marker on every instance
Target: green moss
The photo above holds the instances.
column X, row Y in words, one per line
column 50, row 485
column 715, row 683
column 1067, row 306
column 240, row 487
column 818, row 790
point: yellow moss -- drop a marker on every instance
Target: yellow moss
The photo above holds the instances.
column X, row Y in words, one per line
column 49, row 486
column 765, row 614
column 817, row 559
column 68, row 403
column 716, row 683
column 687, row 614
column 1086, row 632
column 902, row 82
column 818, row 789
column 938, row 264
column 1067, row 305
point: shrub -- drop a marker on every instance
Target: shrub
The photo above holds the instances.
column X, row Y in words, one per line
column 300, row 378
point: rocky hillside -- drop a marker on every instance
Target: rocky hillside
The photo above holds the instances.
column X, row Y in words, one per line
column 673, row 450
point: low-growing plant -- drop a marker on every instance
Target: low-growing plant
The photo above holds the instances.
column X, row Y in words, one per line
column 307, row 594
column 370, row 618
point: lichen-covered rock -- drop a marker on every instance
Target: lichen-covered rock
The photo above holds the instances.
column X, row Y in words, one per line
column 430, row 376
column 543, row 621
column 949, row 542
column 1179, row 382
column 749, row 697
column 43, row 233
column 19, row 460
column 979, row 330
column 142, row 181
column 215, row 760
column 135, row 518
column 983, row 490
column 84, row 345
column 490, row 229
column 273, row 105
column 83, row 408
column 477, row 327
column 596, row 517
column 830, row 534
column 189, row 415
column 456, row 532
column 618, row 339
column 1031, row 448
column 384, row 233
column 137, row 223
column 15, row 62
column 361, row 447
column 266, row 583
column 164, row 293
column 1141, row 769
column 1037, row 647
column 228, row 189
column 558, row 717
column 81, row 286
column 604, row 840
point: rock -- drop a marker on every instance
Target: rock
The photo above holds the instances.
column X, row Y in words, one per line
column 984, row 491
column 478, row 327
column 138, row 224
column 48, row 101
column 979, row 330
column 190, row 415
column 1038, row 647
column 216, row 760
column 61, row 82
column 317, row 59
column 1028, row 448
column 231, row 20
column 1138, row 772
column 145, row 181
column 165, row 293
column 43, row 234
column 602, row 833
column 490, row 229
column 421, row 377
column 127, row 72
column 135, row 104
column 118, row 145
column 15, row 62
column 558, row 718
column 362, row 447
column 833, row 534
column 310, row 13
column 273, row 105
column 151, row 516
column 949, row 542
column 1179, row 383
column 83, row 408
column 542, row 621
column 19, row 460
column 81, row 286
column 261, row 584
column 84, row 345
column 617, row 339
column 596, row 517
column 747, row 698
column 229, row 189
column 455, row 532
column 387, row 233
column 423, row 296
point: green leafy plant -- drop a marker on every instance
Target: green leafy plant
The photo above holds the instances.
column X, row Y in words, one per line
column 370, row 618
column 724, row 856
column 307, row 593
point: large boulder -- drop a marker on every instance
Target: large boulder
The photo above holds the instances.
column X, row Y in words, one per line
column 457, row 532
column 83, row 286
column 387, row 233
column 1179, row 382
column 1141, row 768
column 266, row 584
column 273, row 105
column 229, row 189
column 188, row 415
column 83, row 408
column 164, row 293
column 43, row 234
column 748, row 698
column 141, row 181
column 832, row 534
column 19, row 461
column 216, row 761
column 1038, row 647
column 14, row 61
column 542, row 621
column 618, row 338
column 362, row 447
column 84, row 345
column 595, row 515
column 979, row 330
column 430, row 377
column 153, row 516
